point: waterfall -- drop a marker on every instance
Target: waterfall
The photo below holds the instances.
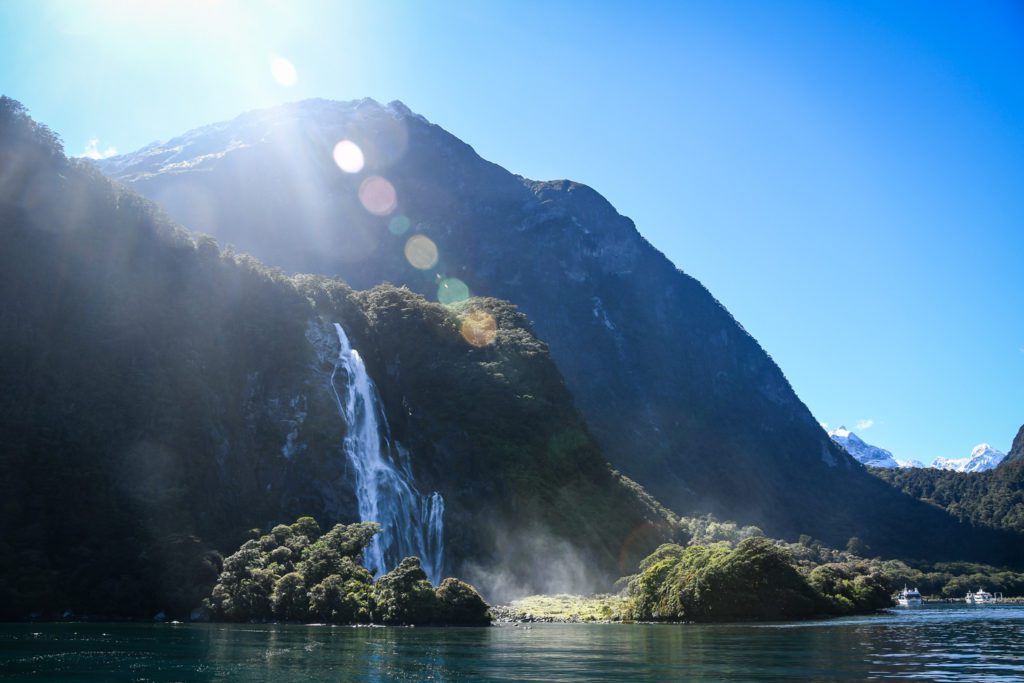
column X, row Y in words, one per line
column 411, row 523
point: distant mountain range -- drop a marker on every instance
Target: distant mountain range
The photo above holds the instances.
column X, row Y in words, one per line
column 863, row 452
column 983, row 457
column 991, row 498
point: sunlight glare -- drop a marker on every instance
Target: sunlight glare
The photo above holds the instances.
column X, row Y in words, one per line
column 283, row 71
column 421, row 252
column 378, row 196
column 399, row 225
column 348, row 156
column 452, row 290
column 479, row 328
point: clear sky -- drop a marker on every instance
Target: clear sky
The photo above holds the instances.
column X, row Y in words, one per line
column 847, row 178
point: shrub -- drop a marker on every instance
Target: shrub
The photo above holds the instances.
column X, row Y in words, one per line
column 460, row 604
column 290, row 599
column 405, row 596
column 713, row 583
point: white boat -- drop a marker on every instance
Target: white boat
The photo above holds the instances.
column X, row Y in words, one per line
column 982, row 597
column 908, row 598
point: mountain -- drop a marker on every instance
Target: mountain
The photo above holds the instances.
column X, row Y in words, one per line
column 162, row 398
column 909, row 464
column 679, row 396
column 864, row 453
column 991, row 498
column 1016, row 453
column 982, row 458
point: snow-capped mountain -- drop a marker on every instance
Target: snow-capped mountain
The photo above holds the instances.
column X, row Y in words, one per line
column 908, row 464
column 982, row 458
column 863, row 452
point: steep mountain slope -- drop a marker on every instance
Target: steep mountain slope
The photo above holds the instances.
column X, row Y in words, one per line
column 991, row 498
column 1016, row 453
column 982, row 458
column 161, row 398
column 863, row 452
column 681, row 398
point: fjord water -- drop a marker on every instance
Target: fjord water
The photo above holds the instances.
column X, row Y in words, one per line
column 412, row 524
column 938, row 643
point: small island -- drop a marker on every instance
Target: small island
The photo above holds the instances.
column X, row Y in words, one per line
column 297, row 573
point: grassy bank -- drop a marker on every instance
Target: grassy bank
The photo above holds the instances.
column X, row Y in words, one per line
column 562, row 608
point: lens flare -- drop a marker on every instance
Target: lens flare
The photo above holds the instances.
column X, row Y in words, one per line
column 348, row 156
column 283, row 71
column 378, row 196
column 399, row 225
column 452, row 290
column 479, row 328
column 421, row 252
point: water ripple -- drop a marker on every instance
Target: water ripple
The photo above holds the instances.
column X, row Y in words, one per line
column 941, row 643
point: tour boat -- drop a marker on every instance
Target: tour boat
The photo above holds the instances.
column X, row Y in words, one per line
column 908, row 598
column 980, row 598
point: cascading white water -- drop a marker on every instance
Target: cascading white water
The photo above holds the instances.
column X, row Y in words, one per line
column 411, row 523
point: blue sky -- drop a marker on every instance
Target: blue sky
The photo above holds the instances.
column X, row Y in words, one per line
column 847, row 178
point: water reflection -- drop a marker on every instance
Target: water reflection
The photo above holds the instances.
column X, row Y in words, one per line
column 943, row 644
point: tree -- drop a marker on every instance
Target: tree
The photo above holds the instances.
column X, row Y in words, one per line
column 405, row 596
column 857, row 547
column 290, row 599
column 756, row 580
column 459, row 604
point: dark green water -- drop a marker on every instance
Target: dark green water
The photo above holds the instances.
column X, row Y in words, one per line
column 932, row 643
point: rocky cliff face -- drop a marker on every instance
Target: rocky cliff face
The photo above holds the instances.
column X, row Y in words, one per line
column 1016, row 453
column 680, row 397
column 162, row 398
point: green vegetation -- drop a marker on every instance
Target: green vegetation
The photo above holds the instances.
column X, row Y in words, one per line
column 740, row 575
column 162, row 397
column 152, row 382
column 496, row 425
column 952, row 579
column 851, row 587
column 992, row 499
column 294, row 573
column 754, row 580
column 564, row 607
column 934, row 579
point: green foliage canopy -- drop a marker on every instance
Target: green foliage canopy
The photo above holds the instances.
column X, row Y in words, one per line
column 284, row 575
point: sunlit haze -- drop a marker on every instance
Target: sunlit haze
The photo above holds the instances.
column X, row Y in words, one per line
column 845, row 178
